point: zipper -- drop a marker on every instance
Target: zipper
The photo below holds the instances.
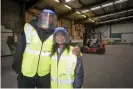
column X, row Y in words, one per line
column 58, row 60
column 39, row 53
column 39, row 58
column 57, row 72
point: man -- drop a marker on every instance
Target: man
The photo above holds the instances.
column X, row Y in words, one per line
column 32, row 60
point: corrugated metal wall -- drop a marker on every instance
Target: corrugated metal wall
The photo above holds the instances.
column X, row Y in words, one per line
column 126, row 31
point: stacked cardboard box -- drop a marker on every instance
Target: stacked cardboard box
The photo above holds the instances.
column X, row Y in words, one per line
column 78, row 31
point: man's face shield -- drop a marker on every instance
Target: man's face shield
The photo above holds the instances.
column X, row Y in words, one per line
column 47, row 20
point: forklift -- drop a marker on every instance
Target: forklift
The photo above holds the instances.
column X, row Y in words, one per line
column 95, row 46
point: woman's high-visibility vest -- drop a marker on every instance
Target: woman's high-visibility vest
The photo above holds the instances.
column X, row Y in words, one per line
column 62, row 72
column 36, row 57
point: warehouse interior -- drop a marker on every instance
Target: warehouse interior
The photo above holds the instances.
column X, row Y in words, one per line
column 102, row 28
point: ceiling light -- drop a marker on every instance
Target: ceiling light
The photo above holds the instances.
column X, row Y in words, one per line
column 95, row 8
column 108, row 4
column 93, row 21
column 68, row 6
column 112, row 14
column 122, row 12
column 101, row 22
column 103, row 16
column 126, row 17
column 84, row 15
column 78, row 12
column 120, row 1
column 68, row 0
column 116, row 2
column 130, row 10
column 57, row 0
column 84, row 11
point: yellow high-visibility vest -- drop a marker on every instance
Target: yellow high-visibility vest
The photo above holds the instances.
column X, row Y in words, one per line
column 36, row 57
column 62, row 73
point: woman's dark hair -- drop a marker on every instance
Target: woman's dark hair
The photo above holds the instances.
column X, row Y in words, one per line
column 55, row 47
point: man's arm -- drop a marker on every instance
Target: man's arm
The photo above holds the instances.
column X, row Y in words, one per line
column 76, row 50
column 21, row 44
column 79, row 74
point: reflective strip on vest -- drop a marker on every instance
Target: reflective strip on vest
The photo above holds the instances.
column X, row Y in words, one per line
column 28, row 33
column 37, row 52
column 63, row 58
column 62, row 81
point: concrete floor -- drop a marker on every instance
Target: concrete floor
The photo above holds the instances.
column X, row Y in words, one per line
column 112, row 70
column 8, row 76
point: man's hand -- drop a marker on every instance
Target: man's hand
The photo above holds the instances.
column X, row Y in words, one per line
column 76, row 50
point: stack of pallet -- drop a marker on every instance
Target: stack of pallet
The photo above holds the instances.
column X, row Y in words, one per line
column 78, row 31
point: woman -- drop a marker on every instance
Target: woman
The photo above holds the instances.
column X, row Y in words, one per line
column 66, row 68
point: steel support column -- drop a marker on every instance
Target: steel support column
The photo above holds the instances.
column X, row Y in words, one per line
column 110, row 30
